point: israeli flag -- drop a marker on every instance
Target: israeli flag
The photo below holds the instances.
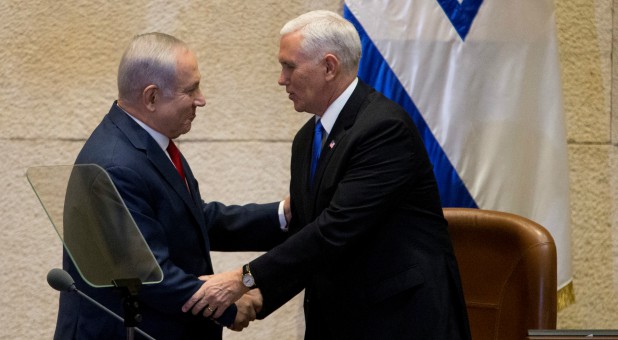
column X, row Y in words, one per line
column 481, row 80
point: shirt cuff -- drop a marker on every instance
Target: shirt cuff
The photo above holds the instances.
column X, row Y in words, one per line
column 282, row 222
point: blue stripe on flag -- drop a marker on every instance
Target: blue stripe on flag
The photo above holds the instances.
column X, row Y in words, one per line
column 375, row 71
column 461, row 15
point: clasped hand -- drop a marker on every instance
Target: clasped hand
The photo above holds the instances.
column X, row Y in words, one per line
column 218, row 292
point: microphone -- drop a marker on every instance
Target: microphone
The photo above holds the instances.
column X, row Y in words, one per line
column 62, row 281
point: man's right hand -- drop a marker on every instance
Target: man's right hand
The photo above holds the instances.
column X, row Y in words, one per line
column 248, row 306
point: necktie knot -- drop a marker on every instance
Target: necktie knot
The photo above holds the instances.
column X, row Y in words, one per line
column 174, row 153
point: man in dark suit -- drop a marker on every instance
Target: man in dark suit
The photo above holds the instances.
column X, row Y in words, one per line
column 159, row 91
column 368, row 241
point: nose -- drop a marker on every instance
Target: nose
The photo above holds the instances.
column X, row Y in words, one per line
column 200, row 100
column 282, row 79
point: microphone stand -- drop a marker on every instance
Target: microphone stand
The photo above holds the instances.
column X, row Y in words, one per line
column 130, row 329
column 62, row 281
column 129, row 289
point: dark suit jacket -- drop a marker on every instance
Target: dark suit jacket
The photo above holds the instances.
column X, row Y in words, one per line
column 370, row 245
column 179, row 228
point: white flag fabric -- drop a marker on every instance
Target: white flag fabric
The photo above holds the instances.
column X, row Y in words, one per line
column 481, row 80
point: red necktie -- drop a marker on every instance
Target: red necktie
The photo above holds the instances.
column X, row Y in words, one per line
column 175, row 156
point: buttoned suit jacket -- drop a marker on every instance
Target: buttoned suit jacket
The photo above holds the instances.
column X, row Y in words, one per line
column 178, row 226
column 369, row 243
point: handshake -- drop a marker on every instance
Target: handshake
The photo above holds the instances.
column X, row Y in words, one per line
column 218, row 292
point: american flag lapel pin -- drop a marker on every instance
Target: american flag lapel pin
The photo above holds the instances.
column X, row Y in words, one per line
column 332, row 144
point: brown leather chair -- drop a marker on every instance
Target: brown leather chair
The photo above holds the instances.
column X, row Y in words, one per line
column 508, row 272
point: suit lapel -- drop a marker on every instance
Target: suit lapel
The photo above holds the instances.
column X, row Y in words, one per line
column 143, row 141
column 159, row 159
column 344, row 121
column 305, row 134
column 195, row 191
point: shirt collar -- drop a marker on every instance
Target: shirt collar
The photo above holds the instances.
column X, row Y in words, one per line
column 160, row 138
column 332, row 112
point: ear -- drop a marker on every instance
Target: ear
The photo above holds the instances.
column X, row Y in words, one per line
column 150, row 97
column 332, row 66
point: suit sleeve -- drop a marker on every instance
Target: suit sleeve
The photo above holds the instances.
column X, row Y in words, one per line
column 382, row 159
column 251, row 227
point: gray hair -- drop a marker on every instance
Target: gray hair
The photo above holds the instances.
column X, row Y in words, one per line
column 150, row 59
column 327, row 32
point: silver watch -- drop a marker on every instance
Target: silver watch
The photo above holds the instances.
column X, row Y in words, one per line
column 247, row 278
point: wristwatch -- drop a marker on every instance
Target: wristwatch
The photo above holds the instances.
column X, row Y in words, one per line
column 247, row 278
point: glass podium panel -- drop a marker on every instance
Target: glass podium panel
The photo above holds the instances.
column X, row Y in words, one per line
column 94, row 224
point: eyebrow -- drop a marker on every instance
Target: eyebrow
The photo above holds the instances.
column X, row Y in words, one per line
column 193, row 86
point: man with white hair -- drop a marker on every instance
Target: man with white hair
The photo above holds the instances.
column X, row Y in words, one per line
column 368, row 241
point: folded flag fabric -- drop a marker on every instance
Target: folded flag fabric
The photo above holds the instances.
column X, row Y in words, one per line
column 481, row 80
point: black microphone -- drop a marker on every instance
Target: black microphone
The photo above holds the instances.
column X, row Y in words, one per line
column 62, row 281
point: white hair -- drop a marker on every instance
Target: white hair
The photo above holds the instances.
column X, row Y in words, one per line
column 150, row 59
column 326, row 32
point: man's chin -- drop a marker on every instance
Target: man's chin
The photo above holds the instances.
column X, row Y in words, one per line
column 298, row 108
column 180, row 133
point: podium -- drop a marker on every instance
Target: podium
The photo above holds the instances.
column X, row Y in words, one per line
column 97, row 230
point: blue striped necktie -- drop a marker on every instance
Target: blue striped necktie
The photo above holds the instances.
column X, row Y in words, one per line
column 317, row 148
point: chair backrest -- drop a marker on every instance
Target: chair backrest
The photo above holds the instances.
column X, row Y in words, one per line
column 508, row 271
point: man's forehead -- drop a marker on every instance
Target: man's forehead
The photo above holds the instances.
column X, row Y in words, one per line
column 290, row 48
column 187, row 67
